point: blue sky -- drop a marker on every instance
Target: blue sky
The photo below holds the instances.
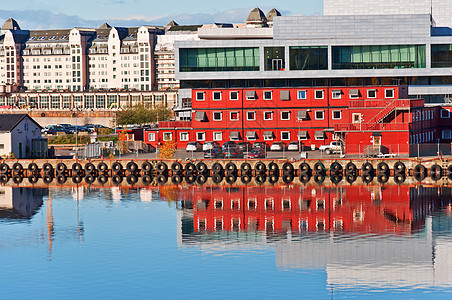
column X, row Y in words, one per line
column 39, row 14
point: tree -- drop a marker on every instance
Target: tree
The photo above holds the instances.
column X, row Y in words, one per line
column 142, row 114
column 167, row 150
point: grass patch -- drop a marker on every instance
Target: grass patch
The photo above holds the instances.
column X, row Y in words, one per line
column 68, row 139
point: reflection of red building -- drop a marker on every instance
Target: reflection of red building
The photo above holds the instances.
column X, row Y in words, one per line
column 349, row 209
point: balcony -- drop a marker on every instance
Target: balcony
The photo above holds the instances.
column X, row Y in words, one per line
column 397, row 103
column 372, row 127
column 174, row 124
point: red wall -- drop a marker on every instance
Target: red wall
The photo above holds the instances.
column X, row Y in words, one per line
column 261, row 105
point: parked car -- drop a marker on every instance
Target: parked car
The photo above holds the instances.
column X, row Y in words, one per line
column 194, row 146
column 229, row 144
column 294, row 146
column 214, row 153
column 278, row 146
column 262, row 145
column 245, row 146
column 210, row 145
column 233, row 152
column 257, row 153
column 52, row 129
column 333, row 147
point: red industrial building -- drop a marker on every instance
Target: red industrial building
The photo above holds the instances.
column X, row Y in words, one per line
column 359, row 116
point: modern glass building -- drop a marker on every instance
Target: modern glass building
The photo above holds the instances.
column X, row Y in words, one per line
column 308, row 51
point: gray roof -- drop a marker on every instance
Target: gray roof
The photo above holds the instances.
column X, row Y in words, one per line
column 9, row 121
column 256, row 15
column 10, row 24
column 52, row 35
column 104, row 26
column 172, row 23
column 273, row 13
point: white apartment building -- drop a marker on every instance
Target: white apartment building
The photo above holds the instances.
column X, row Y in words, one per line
column 78, row 59
column 164, row 53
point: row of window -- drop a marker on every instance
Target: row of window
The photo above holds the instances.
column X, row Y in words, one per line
column 269, row 224
column 218, row 136
column 426, row 137
column 301, row 95
column 269, row 204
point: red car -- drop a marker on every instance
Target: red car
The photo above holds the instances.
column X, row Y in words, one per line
column 257, row 153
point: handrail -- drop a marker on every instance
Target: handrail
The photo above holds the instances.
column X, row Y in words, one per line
column 373, row 127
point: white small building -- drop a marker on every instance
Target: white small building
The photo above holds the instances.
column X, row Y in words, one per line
column 16, row 134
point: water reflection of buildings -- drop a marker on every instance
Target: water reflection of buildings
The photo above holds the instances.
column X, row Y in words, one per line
column 20, row 203
column 391, row 236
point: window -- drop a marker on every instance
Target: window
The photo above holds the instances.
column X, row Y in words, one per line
column 200, row 96
column 167, row 136
column 446, row 134
column 445, row 113
column 200, row 136
column 285, row 135
column 234, row 116
column 217, row 115
column 319, row 114
column 268, row 95
column 219, row 59
column 336, row 94
column 233, row 95
column 319, row 94
column 301, row 95
column 371, row 93
column 337, row 114
column 216, row 96
column 356, row 118
column 2, row 146
column 353, row 94
column 389, row 93
column 308, row 57
column 285, row 115
column 251, row 115
column 268, row 115
column 184, row 136
column 218, row 136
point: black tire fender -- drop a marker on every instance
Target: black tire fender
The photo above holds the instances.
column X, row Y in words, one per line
column 176, row 179
column 132, row 179
column 61, row 179
column 132, row 167
column 176, row 167
column 77, row 179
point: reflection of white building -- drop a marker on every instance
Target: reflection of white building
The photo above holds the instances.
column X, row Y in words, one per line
column 20, row 202
column 420, row 260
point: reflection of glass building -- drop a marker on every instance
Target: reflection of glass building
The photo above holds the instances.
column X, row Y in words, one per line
column 20, row 203
column 391, row 236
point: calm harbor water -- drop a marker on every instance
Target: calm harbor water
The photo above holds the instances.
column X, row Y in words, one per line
column 220, row 242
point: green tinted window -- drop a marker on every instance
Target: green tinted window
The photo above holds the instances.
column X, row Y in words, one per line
column 379, row 57
column 308, row 58
column 442, row 56
column 218, row 59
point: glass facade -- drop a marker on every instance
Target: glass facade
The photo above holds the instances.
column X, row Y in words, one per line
column 379, row 57
column 442, row 56
column 274, row 58
column 308, row 58
column 218, row 59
